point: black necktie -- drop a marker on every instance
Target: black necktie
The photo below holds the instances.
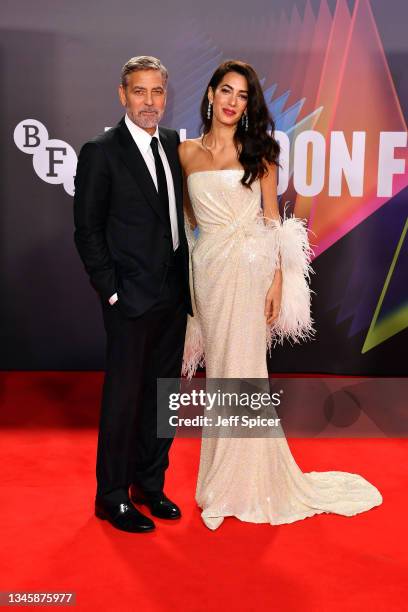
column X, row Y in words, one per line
column 161, row 179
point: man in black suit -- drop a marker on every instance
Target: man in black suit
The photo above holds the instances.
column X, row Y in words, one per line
column 129, row 231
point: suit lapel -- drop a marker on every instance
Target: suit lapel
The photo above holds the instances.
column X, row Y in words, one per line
column 134, row 161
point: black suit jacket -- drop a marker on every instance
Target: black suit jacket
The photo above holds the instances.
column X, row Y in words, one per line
column 121, row 232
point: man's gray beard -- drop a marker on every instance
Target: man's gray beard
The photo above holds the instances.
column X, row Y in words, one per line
column 147, row 122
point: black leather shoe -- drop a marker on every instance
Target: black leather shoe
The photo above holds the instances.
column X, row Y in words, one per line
column 159, row 505
column 124, row 517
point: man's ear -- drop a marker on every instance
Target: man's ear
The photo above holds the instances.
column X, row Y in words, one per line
column 122, row 95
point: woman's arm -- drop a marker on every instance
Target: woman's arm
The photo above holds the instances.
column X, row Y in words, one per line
column 185, row 151
column 269, row 187
column 289, row 294
column 193, row 355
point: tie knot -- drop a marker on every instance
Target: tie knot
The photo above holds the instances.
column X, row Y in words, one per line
column 154, row 144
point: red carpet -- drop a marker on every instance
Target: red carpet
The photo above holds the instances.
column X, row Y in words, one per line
column 52, row 542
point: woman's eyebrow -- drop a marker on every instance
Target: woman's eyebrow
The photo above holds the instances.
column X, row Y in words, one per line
column 229, row 87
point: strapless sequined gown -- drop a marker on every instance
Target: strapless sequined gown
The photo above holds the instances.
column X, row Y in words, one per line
column 253, row 479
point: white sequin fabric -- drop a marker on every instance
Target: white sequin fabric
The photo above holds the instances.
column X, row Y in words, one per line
column 233, row 263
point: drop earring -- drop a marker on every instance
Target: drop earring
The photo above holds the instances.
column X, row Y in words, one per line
column 244, row 121
column 209, row 108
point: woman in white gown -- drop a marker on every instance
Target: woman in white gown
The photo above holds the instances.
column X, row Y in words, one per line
column 250, row 271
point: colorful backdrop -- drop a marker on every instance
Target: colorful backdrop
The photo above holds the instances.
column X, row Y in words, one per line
column 335, row 79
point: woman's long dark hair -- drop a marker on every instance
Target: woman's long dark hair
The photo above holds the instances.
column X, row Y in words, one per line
column 255, row 147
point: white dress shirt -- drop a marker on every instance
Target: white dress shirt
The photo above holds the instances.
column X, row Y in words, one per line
column 143, row 140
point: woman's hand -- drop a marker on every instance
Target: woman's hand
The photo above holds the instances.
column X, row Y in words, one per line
column 273, row 299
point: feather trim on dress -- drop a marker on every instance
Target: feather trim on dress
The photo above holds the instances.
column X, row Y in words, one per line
column 294, row 322
column 194, row 344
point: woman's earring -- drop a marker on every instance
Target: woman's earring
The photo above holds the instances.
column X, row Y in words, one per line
column 209, row 108
column 244, row 121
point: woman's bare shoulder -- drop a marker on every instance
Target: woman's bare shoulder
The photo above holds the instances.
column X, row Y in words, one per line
column 189, row 147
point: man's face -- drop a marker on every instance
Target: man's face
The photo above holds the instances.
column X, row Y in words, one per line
column 144, row 98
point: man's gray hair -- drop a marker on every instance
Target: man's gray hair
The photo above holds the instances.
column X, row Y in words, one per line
column 143, row 62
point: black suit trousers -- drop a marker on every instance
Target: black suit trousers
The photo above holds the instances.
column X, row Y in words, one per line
column 139, row 350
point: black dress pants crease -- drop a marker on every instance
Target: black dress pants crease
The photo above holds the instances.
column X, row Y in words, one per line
column 139, row 350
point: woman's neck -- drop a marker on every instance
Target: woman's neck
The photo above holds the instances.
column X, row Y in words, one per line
column 219, row 137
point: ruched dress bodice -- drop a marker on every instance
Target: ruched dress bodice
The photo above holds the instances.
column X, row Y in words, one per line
column 233, row 263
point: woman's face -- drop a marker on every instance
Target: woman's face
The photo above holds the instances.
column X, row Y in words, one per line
column 230, row 98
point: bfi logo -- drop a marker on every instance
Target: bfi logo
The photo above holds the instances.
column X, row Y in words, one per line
column 54, row 161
